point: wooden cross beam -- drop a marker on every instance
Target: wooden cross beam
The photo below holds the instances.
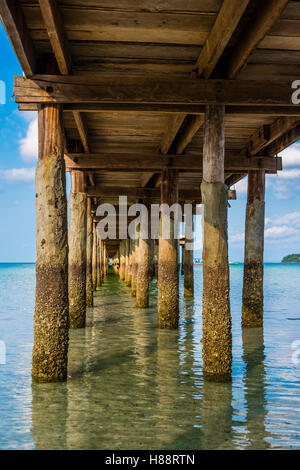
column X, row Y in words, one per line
column 53, row 20
column 140, row 193
column 197, row 110
column 146, row 163
column 14, row 23
column 132, row 89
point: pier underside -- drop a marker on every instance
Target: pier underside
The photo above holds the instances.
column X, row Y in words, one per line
column 162, row 102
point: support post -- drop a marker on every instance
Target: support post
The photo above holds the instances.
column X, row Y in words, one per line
column 253, row 296
column 217, row 354
column 89, row 256
column 168, row 272
column 77, row 250
column 94, row 256
column 188, row 263
column 51, row 318
column 143, row 266
column 128, row 260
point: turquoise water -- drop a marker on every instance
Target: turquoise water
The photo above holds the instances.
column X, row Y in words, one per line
column 134, row 387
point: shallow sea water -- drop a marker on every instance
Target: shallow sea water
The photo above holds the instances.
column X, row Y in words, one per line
column 132, row 386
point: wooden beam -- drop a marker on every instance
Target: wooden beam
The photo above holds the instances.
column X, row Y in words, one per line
column 192, row 127
column 224, row 26
column 121, row 89
column 174, row 124
column 15, row 27
column 170, row 109
column 55, row 28
column 142, row 162
column 53, row 20
column 226, row 23
column 82, row 130
column 283, row 141
column 193, row 194
column 267, row 14
column 268, row 134
column 91, row 178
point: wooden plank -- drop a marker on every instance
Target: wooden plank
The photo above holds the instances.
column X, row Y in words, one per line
column 186, row 135
column 82, row 130
column 268, row 134
column 90, row 24
column 174, row 124
column 227, row 20
column 267, row 14
column 283, row 141
column 259, row 111
column 116, row 89
column 107, row 191
column 218, row 38
column 142, row 162
column 14, row 24
column 54, row 24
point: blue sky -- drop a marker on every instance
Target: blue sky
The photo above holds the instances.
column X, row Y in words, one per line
column 18, row 154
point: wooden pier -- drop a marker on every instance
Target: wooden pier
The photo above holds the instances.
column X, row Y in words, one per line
column 163, row 102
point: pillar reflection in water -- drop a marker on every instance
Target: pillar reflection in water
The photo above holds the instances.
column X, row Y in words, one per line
column 49, row 416
column 255, row 393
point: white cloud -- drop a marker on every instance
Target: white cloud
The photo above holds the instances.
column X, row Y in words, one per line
column 291, row 156
column 25, row 175
column 29, row 144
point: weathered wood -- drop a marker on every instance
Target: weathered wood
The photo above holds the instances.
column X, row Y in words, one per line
column 94, row 256
column 89, row 256
column 14, row 24
column 127, row 263
column 143, row 269
column 262, row 110
column 83, row 133
column 267, row 14
column 128, row 89
column 77, row 250
column 53, row 20
column 214, row 145
column 122, row 259
column 268, row 134
column 188, row 263
column 217, row 354
column 168, row 274
column 142, row 193
column 134, row 265
column 253, row 296
column 99, row 263
column 283, row 141
column 174, row 124
column 51, row 319
column 187, row 132
column 227, row 20
column 218, row 38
